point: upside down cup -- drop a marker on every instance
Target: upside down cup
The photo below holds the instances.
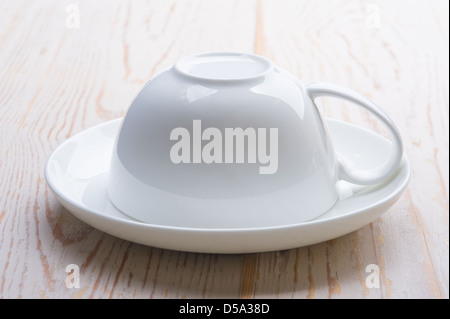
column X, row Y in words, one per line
column 229, row 140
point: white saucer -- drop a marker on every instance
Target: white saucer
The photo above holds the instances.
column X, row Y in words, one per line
column 77, row 173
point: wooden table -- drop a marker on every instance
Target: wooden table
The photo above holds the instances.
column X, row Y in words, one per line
column 68, row 65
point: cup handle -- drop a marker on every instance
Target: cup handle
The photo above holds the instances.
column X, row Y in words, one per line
column 346, row 171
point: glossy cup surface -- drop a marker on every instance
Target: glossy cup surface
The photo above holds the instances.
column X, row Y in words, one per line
column 223, row 91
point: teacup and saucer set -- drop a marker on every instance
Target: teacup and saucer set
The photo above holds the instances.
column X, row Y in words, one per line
column 227, row 153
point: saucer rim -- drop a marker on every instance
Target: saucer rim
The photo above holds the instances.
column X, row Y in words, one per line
column 405, row 164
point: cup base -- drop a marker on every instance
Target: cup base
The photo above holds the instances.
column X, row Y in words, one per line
column 223, row 66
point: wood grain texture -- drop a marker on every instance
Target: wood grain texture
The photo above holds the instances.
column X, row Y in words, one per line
column 56, row 81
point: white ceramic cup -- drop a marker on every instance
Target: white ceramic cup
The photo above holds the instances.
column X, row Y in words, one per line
column 173, row 164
